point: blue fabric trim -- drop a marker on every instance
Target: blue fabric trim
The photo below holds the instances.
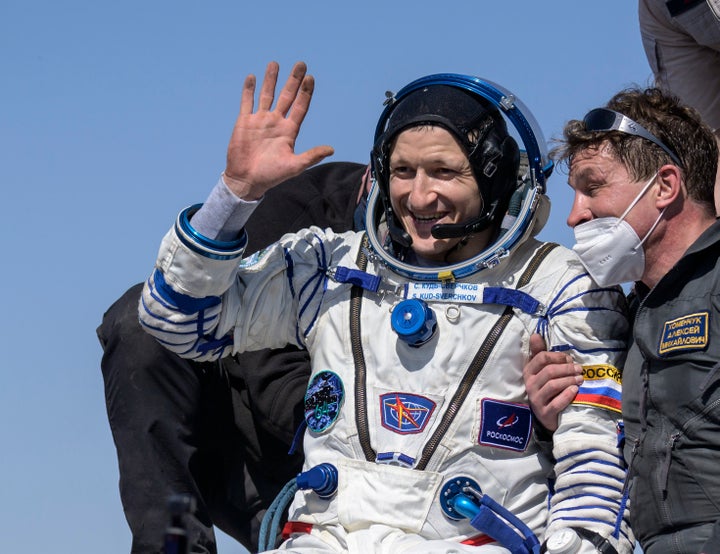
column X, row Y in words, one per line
column 201, row 345
column 558, row 312
column 184, row 303
column 587, row 484
column 215, row 344
column 171, row 308
column 568, row 347
column 589, row 507
column 409, row 460
column 320, row 278
column 588, row 451
column 557, row 309
column 297, row 437
column 487, row 522
column 598, row 473
column 164, row 331
column 200, row 244
column 551, row 304
column 621, row 511
column 511, row 297
column 619, row 515
column 593, row 520
column 362, row 279
column 290, row 270
column 596, row 461
column 542, row 326
column 558, row 517
column 551, row 491
column 553, row 309
column 159, row 299
column 191, row 349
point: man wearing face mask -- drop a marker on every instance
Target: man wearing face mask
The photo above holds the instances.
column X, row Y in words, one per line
column 642, row 170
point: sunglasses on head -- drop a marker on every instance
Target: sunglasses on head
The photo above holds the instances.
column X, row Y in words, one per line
column 602, row 119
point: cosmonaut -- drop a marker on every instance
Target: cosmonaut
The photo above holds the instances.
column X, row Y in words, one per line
column 418, row 330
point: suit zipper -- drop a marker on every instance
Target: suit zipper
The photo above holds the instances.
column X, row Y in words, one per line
column 481, row 357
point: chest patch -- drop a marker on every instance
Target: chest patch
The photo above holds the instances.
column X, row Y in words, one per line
column 689, row 332
column 323, row 400
column 505, row 425
column 405, row 413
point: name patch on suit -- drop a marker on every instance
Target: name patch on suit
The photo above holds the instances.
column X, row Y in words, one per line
column 689, row 332
column 468, row 293
column 405, row 413
column 505, row 425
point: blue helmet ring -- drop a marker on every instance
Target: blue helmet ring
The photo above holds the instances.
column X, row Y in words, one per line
column 509, row 105
column 513, row 199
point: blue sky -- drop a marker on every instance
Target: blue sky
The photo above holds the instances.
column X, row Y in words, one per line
column 114, row 116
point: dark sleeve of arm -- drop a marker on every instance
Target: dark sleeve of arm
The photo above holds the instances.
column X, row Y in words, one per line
column 713, row 543
column 324, row 196
column 276, row 381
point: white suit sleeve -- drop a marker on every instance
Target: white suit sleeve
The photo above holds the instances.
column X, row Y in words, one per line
column 204, row 302
column 590, row 323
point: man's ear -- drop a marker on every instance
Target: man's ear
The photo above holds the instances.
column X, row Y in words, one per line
column 670, row 185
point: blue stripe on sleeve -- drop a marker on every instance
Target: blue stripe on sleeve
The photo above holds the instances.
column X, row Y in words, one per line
column 184, row 303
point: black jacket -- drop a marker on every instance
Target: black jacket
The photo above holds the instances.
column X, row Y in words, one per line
column 671, row 406
column 219, row 431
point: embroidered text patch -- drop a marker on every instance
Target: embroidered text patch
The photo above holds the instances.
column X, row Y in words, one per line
column 505, row 425
column 689, row 332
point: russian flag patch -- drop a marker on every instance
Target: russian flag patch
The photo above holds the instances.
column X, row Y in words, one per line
column 602, row 387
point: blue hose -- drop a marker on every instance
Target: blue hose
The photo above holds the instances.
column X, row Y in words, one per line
column 323, row 479
column 270, row 526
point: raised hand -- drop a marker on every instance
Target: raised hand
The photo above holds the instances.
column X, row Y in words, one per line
column 261, row 153
column 551, row 380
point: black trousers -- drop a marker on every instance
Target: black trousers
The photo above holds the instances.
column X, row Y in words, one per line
column 218, row 431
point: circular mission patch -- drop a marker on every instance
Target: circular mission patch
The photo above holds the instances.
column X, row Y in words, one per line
column 323, row 400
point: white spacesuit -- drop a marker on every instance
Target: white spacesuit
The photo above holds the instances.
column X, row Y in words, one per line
column 416, row 391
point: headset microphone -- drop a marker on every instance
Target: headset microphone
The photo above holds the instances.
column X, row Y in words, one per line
column 460, row 230
column 455, row 230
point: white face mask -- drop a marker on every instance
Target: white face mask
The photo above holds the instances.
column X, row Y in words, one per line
column 609, row 247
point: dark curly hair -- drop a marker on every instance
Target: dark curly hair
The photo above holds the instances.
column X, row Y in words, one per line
column 678, row 126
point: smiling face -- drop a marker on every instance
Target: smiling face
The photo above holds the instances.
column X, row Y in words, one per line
column 603, row 187
column 431, row 182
